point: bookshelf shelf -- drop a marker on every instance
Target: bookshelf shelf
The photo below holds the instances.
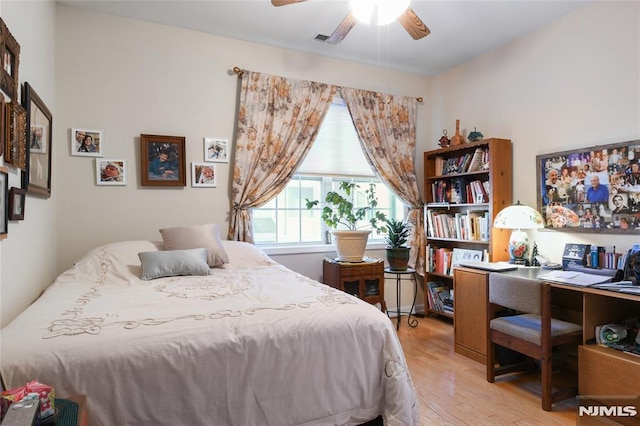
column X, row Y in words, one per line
column 465, row 188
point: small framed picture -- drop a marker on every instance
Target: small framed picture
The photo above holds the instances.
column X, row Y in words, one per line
column 111, row 172
column 87, row 143
column 10, row 51
column 216, row 150
column 203, row 175
column 38, row 140
column 163, row 160
column 4, row 193
column 17, row 198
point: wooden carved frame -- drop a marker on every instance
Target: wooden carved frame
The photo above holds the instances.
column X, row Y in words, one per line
column 171, row 172
column 38, row 173
column 10, row 55
column 595, row 189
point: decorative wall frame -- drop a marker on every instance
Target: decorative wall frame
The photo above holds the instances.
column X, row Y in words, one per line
column 4, row 194
column 2, row 124
column 40, row 129
column 595, row 189
column 17, row 200
column 87, row 143
column 16, row 149
column 111, row 172
column 216, row 150
column 204, row 175
column 10, row 54
column 163, row 160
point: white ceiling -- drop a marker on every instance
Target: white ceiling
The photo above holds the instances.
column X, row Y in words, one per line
column 460, row 30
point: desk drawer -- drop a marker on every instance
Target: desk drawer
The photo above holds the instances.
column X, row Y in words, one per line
column 604, row 371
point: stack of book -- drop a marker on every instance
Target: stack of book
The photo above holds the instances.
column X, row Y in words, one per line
column 440, row 297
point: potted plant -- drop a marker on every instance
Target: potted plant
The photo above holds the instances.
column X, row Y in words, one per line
column 397, row 252
column 339, row 211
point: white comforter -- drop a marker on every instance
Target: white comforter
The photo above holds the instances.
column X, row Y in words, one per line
column 252, row 344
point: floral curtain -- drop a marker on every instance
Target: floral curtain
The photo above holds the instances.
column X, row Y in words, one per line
column 278, row 120
column 386, row 126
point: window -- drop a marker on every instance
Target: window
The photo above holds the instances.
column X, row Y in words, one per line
column 286, row 219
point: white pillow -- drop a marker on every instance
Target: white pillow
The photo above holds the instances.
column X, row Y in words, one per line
column 245, row 254
column 158, row 264
column 197, row 236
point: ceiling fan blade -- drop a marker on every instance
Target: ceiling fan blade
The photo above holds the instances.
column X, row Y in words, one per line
column 414, row 25
column 285, row 2
column 342, row 30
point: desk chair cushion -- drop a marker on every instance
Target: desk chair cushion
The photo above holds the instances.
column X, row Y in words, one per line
column 527, row 327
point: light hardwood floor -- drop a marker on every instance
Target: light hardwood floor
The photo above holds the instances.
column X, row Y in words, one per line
column 453, row 389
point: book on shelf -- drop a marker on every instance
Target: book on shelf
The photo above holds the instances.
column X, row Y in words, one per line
column 477, row 161
column 440, row 297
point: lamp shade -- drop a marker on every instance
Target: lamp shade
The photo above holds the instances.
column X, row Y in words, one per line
column 518, row 216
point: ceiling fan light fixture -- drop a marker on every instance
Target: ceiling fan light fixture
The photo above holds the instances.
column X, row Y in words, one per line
column 386, row 11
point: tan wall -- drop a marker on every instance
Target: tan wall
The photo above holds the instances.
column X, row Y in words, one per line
column 572, row 84
column 28, row 255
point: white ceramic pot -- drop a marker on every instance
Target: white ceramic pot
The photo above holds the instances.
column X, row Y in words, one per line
column 350, row 245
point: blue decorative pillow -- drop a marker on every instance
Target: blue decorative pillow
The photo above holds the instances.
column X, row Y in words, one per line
column 158, row 264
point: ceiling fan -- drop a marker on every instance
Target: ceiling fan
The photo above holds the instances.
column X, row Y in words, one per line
column 408, row 19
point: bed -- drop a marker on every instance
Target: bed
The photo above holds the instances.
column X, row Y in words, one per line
column 253, row 343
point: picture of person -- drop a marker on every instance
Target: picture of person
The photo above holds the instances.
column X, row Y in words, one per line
column 110, row 172
column 162, row 160
column 215, row 150
column 7, row 62
column 80, row 134
column 597, row 193
column 37, row 144
column 207, row 175
column 203, row 174
column 619, row 204
column 552, row 186
column 87, row 144
column 163, row 166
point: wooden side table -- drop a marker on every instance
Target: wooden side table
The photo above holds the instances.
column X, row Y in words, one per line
column 364, row 280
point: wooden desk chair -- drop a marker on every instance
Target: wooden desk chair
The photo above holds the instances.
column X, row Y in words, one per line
column 533, row 333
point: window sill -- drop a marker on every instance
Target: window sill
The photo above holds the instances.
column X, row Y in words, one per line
column 317, row 248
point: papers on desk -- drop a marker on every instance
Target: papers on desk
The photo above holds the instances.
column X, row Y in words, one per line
column 630, row 290
column 580, row 279
column 490, row 266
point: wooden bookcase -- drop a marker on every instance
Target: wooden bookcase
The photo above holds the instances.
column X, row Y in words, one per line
column 477, row 194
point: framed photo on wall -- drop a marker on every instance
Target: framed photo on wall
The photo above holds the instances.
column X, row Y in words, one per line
column 4, row 194
column 17, row 198
column 203, row 175
column 10, row 51
column 87, row 142
column 110, row 172
column 39, row 135
column 216, row 150
column 16, row 148
column 163, row 160
column 595, row 189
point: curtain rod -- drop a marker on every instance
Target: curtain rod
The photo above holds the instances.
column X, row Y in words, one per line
column 239, row 71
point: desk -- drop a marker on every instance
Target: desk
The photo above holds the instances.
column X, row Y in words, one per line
column 602, row 372
column 399, row 274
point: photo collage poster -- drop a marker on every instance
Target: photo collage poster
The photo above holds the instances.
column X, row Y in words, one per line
column 597, row 188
